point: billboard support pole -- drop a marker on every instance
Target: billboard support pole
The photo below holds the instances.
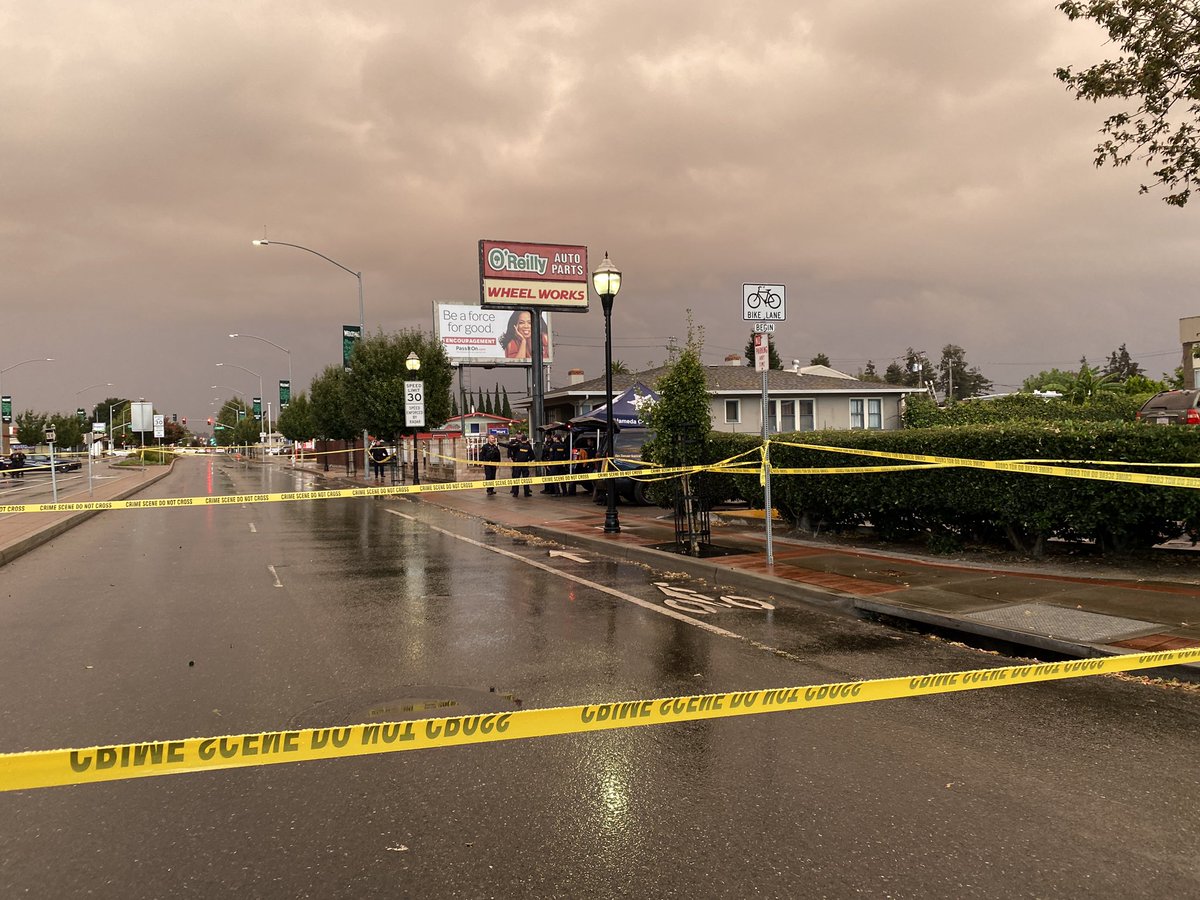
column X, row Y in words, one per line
column 539, row 386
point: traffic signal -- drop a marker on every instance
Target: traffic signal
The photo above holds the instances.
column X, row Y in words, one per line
column 210, row 420
column 185, row 420
column 175, row 417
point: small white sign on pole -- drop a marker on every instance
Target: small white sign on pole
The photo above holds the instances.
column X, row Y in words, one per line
column 762, row 353
column 160, row 426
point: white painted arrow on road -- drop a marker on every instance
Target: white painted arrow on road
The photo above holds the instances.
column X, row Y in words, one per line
column 570, row 556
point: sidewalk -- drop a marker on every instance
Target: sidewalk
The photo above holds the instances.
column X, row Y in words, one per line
column 1068, row 615
column 21, row 532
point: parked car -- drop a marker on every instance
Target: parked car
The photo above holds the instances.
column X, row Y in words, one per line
column 1171, row 408
column 40, row 463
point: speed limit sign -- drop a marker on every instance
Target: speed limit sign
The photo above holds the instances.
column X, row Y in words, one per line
column 414, row 404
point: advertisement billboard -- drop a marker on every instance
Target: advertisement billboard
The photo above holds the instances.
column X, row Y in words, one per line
column 516, row 274
column 473, row 335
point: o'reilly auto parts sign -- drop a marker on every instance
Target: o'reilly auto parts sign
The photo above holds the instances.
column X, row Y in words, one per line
column 518, row 275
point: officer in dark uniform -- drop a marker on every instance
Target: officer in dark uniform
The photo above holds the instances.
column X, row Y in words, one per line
column 490, row 453
column 556, row 452
column 520, row 451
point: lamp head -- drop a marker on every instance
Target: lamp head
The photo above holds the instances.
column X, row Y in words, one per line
column 606, row 280
column 233, row 335
column 412, row 362
column 262, row 243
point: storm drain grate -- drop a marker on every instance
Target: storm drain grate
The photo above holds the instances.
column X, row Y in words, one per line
column 1056, row 622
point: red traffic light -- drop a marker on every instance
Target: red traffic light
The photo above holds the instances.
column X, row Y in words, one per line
column 210, row 420
column 185, row 420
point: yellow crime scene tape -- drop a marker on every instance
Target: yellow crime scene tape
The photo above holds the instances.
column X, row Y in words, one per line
column 330, row 494
column 115, row 762
column 1024, row 468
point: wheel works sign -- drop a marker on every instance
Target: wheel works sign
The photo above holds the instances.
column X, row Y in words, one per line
column 516, row 275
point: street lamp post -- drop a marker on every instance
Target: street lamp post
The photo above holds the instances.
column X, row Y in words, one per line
column 290, row 388
column 4, row 444
column 606, row 280
column 93, row 437
column 260, row 385
column 362, row 322
column 413, row 364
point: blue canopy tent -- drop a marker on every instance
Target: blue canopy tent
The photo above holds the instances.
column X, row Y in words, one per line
column 625, row 413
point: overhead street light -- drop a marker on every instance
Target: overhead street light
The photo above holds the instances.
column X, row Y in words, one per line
column 362, row 322
column 4, row 426
column 260, row 387
column 606, row 280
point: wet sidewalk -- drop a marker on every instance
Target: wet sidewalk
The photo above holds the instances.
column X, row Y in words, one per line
column 1065, row 614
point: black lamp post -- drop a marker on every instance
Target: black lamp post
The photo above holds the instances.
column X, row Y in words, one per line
column 413, row 364
column 606, row 281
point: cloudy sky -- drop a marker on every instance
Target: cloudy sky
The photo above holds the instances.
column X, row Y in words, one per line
column 910, row 169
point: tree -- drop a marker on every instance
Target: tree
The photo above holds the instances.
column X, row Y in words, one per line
column 869, row 373
column 1121, row 365
column 1086, row 384
column 496, row 400
column 1039, row 381
column 506, row 407
column 955, row 379
column 68, row 430
column 296, row 422
column 375, row 388
column 773, row 360
column 1159, row 69
column 894, row 373
column 31, row 427
column 479, row 401
column 620, row 368
column 331, row 421
column 819, row 360
column 681, row 418
column 454, row 413
column 916, row 370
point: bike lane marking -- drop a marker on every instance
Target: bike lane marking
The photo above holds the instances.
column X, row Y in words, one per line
column 604, row 589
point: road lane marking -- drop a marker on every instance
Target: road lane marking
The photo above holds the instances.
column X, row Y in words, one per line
column 275, row 575
column 604, row 589
column 571, row 556
column 253, row 530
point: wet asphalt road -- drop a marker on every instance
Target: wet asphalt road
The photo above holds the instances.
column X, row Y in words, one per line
column 161, row 624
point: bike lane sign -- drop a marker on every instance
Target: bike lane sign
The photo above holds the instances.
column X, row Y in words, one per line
column 763, row 302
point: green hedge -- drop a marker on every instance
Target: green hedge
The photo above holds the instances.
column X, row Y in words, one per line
column 953, row 505
column 922, row 412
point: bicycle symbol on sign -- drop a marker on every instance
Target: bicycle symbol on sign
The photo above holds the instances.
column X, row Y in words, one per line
column 763, row 296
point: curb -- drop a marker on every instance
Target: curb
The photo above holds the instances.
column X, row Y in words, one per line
column 24, row 545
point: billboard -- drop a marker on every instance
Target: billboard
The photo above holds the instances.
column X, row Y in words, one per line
column 539, row 276
column 473, row 335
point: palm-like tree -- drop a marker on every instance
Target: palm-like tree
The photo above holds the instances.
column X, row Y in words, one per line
column 1086, row 384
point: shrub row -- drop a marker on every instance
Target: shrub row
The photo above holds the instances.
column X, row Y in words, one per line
column 921, row 412
column 952, row 505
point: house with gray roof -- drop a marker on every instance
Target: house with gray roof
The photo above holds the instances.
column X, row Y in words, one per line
column 800, row 398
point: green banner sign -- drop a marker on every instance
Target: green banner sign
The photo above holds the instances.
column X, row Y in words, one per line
column 351, row 334
column 82, row 413
column 258, row 408
column 6, row 408
column 285, row 394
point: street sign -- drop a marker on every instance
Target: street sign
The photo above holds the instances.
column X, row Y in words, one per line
column 764, row 327
column 414, row 404
column 99, row 428
column 160, row 424
column 762, row 353
column 763, row 302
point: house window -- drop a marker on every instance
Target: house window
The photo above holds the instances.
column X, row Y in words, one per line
column 866, row 413
column 733, row 411
column 805, row 418
column 781, row 416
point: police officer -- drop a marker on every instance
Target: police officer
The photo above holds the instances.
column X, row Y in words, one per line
column 520, row 451
column 490, row 453
column 556, row 451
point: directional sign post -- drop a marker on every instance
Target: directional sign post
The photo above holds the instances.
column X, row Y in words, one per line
column 764, row 305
